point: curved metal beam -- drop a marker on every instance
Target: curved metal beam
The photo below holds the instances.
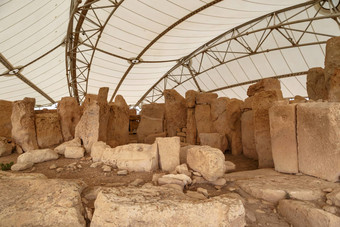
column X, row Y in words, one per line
column 218, row 49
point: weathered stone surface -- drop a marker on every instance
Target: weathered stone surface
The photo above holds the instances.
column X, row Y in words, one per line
column 160, row 206
column 318, row 137
column 266, row 184
column 190, row 97
column 214, row 140
column 48, row 129
column 97, row 150
column 301, row 214
column 332, row 58
column 207, row 161
column 183, row 169
column 37, row 156
column 233, row 119
column 191, row 131
column 92, row 126
column 21, row 166
column 148, row 126
column 150, row 139
column 248, row 135
column 297, row 99
column 74, row 152
column 175, row 111
column 39, row 201
column 72, row 143
column 132, row 157
column 219, row 115
column 230, row 166
column 6, row 146
column 180, row 179
column 261, row 103
column 205, row 98
column 118, row 123
column 316, row 85
column 23, row 127
column 183, row 153
column 168, row 149
column 5, row 118
column 203, row 119
column 266, row 84
column 247, row 104
column 70, row 113
column 334, row 197
column 154, row 110
column 283, row 138
column 334, row 87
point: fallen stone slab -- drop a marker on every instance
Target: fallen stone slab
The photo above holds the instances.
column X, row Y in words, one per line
column 32, row 200
column 72, row 143
column 97, row 150
column 301, row 214
column 21, row 166
column 160, row 206
column 214, row 140
column 37, row 156
column 74, row 152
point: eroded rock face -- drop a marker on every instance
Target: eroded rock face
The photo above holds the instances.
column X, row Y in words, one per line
column 6, row 146
column 283, row 138
column 266, row 84
column 316, row 85
column 248, row 135
column 190, row 97
column 155, row 206
column 23, row 124
column 219, row 115
column 203, row 119
column 39, row 201
column 169, row 150
column 92, row 126
column 5, row 118
column 37, row 156
column 207, row 161
column 214, row 140
column 205, row 98
column 302, row 214
column 175, row 112
column 191, row 133
column 48, row 129
column 70, row 113
column 72, row 143
column 319, row 139
column 118, row 123
column 233, row 119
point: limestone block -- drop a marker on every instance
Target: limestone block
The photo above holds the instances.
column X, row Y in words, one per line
column 72, row 143
column 149, row 126
column 160, row 206
column 334, row 87
column 334, row 197
column 214, row 140
column 150, row 139
column 319, row 139
column 248, row 135
column 316, row 84
column 118, row 123
column 23, row 126
column 175, row 111
column 261, row 103
column 233, row 119
column 37, row 156
column 132, row 157
column 219, row 115
column 247, row 104
column 153, row 110
column 97, row 150
column 74, row 152
column 191, row 131
column 207, row 161
column 203, row 119
column 40, row 202
column 22, row 166
column 266, row 84
column 205, row 98
column 301, row 214
column 190, row 97
column 283, row 138
column 6, row 146
column 70, row 113
column 332, row 58
column 168, row 149
column 93, row 124
column 5, row 118
column 48, row 129
column 183, row 153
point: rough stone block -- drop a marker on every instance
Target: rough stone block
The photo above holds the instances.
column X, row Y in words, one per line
column 266, row 84
column 48, row 129
column 219, row 115
column 153, row 110
column 205, row 98
column 332, row 58
column 37, row 156
column 283, row 138
column 190, row 97
column 191, row 131
column 150, row 139
column 70, row 113
column 318, row 136
column 168, row 149
column 203, row 119
column 6, row 146
column 149, row 126
column 233, row 119
column 316, row 84
column 248, row 135
column 5, row 118
column 214, row 140
column 74, row 152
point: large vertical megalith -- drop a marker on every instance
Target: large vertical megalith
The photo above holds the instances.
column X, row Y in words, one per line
column 70, row 114
column 316, row 85
column 175, row 112
column 5, row 118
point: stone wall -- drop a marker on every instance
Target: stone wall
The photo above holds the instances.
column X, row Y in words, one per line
column 5, row 118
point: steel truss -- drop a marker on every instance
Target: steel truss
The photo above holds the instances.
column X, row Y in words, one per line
column 219, row 52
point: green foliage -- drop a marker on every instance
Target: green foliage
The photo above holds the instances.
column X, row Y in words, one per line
column 6, row 166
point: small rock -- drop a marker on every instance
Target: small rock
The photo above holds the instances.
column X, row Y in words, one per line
column 274, row 211
column 250, row 216
column 203, row 191
column 79, row 166
column 218, row 187
column 260, row 211
column 186, row 180
column 59, row 170
column 88, row 158
column 195, row 195
column 183, row 169
column 229, row 166
column 219, row 182
column 156, row 176
column 199, row 180
column 53, row 166
column 328, row 190
column 95, row 164
column 123, row 172
column 329, row 202
column 147, row 185
column 232, row 189
column 74, row 152
column 106, row 168
column 21, row 166
column 330, row 209
column 197, row 174
column 89, row 213
column 84, row 200
column 136, row 182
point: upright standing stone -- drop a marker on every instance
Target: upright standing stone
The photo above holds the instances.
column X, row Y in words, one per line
column 203, row 119
column 190, row 97
column 261, row 103
column 191, row 133
column 23, row 126
column 283, row 138
column 175, row 112
column 234, row 125
column 92, row 126
column 248, row 135
column 318, row 132
column 48, row 129
column 332, row 68
column 316, row 85
column 219, row 115
column 5, row 118
column 169, row 149
column 267, row 84
column 70, row 113
column 205, row 98
column 118, row 123
column 214, row 140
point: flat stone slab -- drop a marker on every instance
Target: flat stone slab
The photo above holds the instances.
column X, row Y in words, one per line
column 33, row 200
column 160, row 206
